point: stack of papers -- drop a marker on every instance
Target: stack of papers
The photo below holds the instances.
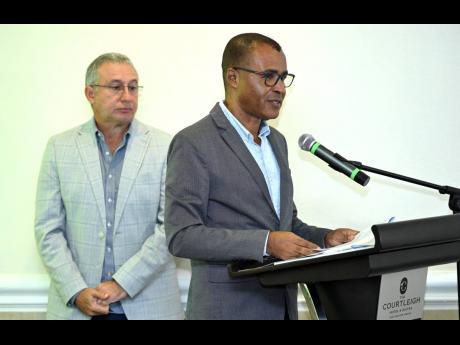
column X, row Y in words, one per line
column 364, row 240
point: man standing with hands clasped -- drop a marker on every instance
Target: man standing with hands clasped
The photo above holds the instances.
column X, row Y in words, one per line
column 100, row 208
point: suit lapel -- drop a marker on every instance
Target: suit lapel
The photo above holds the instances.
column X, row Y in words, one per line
column 236, row 144
column 89, row 154
column 284, row 174
column 135, row 153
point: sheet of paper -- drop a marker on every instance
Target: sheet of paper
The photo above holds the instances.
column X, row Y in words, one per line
column 364, row 240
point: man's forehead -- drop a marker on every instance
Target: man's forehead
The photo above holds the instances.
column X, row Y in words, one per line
column 266, row 57
column 118, row 71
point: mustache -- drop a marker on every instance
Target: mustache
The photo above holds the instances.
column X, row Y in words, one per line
column 275, row 97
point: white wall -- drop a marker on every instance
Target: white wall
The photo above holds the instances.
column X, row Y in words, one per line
column 387, row 95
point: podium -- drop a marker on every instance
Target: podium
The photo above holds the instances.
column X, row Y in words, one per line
column 348, row 284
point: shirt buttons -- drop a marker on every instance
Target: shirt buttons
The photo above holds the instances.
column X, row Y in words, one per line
column 101, row 234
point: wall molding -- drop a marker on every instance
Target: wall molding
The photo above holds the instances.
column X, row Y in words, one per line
column 28, row 292
column 23, row 293
column 441, row 293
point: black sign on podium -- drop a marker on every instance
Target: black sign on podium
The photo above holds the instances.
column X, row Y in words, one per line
column 348, row 284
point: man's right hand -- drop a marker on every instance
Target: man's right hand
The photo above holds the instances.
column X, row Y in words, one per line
column 92, row 302
column 287, row 245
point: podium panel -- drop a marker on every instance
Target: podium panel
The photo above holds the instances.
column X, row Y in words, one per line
column 355, row 299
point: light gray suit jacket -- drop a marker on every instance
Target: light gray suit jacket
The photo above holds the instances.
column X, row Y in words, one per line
column 70, row 224
column 218, row 209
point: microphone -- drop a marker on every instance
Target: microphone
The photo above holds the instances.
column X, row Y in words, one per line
column 335, row 161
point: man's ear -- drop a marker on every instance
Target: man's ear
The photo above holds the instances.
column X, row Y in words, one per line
column 232, row 77
column 89, row 93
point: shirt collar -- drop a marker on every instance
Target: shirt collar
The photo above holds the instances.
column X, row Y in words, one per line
column 264, row 130
column 96, row 130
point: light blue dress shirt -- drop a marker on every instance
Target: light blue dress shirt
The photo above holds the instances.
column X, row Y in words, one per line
column 111, row 167
column 263, row 155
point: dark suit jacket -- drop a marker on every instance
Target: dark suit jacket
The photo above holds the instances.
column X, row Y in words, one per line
column 218, row 209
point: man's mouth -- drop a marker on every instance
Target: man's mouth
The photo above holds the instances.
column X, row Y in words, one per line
column 124, row 110
column 276, row 102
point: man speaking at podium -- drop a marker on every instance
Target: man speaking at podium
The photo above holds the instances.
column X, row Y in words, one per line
column 229, row 192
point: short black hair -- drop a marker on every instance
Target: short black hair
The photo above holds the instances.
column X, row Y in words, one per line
column 239, row 46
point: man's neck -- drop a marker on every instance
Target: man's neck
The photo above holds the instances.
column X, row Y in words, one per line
column 251, row 123
column 113, row 134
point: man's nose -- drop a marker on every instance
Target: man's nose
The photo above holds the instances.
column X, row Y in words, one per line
column 279, row 87
column 127, row 94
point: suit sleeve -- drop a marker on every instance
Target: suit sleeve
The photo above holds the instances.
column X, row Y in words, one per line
column 308, row 232
column 50, row 222
column 187, row 195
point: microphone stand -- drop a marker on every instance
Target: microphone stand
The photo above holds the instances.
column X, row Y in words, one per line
column 454, row 197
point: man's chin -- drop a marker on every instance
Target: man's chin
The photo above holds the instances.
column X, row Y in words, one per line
column 124, row 118
column 273, row 116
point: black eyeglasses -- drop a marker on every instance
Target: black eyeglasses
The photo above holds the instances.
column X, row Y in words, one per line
column 118, row 88
column 271, row 77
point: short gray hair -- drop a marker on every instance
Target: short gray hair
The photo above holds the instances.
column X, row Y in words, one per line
column 92, row 77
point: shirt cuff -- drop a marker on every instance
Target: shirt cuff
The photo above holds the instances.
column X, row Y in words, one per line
column 265, row 247
column 71, row 302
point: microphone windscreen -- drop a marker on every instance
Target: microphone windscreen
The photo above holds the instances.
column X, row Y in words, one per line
column 306, row 141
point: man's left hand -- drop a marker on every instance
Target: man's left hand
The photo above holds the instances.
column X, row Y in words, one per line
column 113, row 289
column 339, row 236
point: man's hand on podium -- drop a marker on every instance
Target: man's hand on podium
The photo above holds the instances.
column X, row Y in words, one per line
column 286, row 245
column 339, row 236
